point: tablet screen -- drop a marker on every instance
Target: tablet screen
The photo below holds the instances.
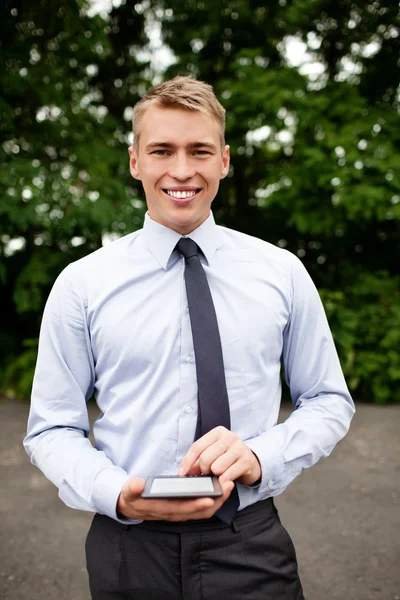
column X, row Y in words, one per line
column 180, row 485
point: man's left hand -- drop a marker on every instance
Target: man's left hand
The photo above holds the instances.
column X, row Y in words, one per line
column 222, row 453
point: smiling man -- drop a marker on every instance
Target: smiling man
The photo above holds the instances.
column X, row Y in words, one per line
column 180, row 158
column 180, row 330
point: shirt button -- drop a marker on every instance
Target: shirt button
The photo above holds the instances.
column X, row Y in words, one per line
column 189, row 358
column 188, row 409
column 187, row 308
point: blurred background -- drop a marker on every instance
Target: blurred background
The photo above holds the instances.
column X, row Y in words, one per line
column 311, row 89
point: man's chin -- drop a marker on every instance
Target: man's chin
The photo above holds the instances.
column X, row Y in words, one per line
column 187, row 224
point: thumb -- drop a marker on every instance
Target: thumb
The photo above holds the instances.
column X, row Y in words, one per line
column 133, row 488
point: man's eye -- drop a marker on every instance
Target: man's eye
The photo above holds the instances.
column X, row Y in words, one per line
column 160, row 152
column 202, row 152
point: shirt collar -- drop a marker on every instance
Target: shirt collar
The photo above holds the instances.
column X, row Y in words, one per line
column 161, row 240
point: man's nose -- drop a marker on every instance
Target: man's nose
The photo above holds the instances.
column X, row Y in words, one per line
column 182, row 167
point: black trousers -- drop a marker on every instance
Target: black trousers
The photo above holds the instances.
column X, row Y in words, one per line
column 252, row 559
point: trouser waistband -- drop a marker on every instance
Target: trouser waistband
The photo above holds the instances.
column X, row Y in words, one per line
column 261, row 508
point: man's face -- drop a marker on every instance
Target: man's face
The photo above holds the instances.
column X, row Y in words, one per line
column 180, row 163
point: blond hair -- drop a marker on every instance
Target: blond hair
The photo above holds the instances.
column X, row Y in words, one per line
column 183, row 93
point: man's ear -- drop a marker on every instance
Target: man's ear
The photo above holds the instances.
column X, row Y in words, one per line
column 225, row 161
column 133, row 162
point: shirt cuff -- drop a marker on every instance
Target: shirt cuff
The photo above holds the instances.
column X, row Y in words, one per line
column 268, row 448
column 106, row 490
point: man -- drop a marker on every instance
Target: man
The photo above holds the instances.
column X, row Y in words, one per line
column 121, row 323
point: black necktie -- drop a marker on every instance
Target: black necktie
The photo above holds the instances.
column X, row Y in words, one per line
column 213, row 403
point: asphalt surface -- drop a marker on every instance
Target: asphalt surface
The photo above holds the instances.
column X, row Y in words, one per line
column 343, row 515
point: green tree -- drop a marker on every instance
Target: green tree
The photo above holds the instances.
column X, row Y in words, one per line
column 66, row 79
column 315, row 150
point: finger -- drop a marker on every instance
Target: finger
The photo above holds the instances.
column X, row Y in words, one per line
column 195, row 470
column 227, row 488
column 223, row 462
column 203, row 511
column 207, row 512
column 185, row 512
column 247, row 469
column 171, row 509
column 192, row 456
column 211, row 454
column 235, row 471
column 199, row 446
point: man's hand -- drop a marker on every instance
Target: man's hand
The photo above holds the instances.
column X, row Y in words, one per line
column 222, row 453
column 131, row 505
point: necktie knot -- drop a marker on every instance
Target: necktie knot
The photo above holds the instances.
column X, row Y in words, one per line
column 187, row 248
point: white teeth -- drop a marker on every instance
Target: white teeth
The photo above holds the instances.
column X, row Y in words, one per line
column 183, row 194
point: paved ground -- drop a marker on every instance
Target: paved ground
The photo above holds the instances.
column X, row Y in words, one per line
column 343, row 515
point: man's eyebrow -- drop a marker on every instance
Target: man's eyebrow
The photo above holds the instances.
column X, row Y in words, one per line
column 159, row 145
column 192, row 145
column 202, row 145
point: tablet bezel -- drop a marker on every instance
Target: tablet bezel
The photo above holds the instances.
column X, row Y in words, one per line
column 147, row 494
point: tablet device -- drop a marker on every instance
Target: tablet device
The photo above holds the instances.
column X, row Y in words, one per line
column 193, row 486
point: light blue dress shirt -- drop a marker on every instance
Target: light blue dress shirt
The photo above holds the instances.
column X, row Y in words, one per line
column 116, row 324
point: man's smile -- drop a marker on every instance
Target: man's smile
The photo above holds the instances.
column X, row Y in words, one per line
column 182, row 193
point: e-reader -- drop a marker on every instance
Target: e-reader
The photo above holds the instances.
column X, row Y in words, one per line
column 192, row 486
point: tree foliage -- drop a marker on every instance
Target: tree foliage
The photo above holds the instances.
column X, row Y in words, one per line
column 318, row 173
column 315, row 147
column 64, row 178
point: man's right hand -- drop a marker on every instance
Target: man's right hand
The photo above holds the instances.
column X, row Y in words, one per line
column 132, row 506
